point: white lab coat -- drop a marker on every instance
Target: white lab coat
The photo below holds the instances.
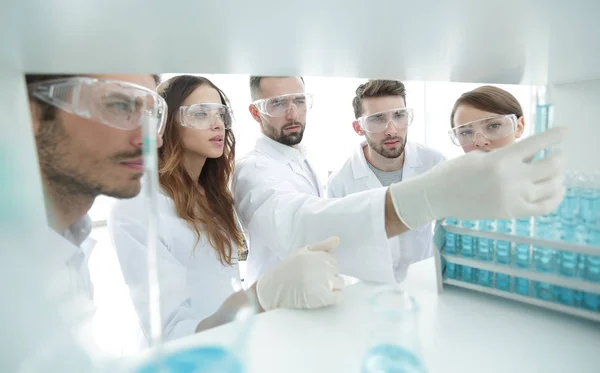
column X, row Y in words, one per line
column 282, row 211
column 57, row 301
column 356, row 176
column 193, row 283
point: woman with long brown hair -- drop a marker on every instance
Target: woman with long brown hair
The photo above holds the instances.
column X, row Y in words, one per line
column 199, row 238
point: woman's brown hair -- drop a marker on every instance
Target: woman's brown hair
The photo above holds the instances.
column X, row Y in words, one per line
column 491, row 99
column 213, row 211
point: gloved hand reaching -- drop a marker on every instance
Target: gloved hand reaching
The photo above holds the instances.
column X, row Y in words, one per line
column 306, row 279
column 501, row 184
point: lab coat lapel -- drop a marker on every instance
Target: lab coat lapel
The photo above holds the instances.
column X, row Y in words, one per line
column 320, row 187
column 361, row 171
column 295, row 166
column 412, row 162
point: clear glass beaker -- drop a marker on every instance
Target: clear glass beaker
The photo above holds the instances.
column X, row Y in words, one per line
column 394, row 343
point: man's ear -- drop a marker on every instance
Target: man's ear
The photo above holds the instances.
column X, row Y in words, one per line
column 520, row 127
column 254, row 112
column 357, row 128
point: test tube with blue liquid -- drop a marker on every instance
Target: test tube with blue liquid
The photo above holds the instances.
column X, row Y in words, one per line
column 450, row 271
column 503, row 248
column 591, row 301
column 468, row 242
column 544, row 257
column 544, row 291
column 485, row 246
column 468, row 274
column 503, row 282
column 486, row 278
column 590, row 212
column 522, row 286
column 522, row 251
column 569, row 226
column 451, row 238
column 592, row 262
column 564, row 295
column 394, row 344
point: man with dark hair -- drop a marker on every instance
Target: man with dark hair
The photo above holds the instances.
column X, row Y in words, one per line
column 385, row 157
column 89, row 141
column 277, row 194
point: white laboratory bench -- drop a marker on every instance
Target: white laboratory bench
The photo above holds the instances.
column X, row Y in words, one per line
column 460, row 331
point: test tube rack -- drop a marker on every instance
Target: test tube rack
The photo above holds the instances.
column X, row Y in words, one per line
column 576, row 284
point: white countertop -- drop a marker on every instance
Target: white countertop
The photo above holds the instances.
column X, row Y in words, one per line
column 460, row 331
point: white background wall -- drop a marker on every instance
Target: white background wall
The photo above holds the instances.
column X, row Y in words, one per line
column 577, row 106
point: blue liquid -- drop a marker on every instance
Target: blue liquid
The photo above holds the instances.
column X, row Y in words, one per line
column 544, row 291
column 452, row 221
column 544, row 257
column 589, row 205
column 485, row 246
column 592, row 268
column 523, row 227
column 522, row 255
column 591, row 301
column 468, row 242
column 203, row 359
column 503, row 252
column 578, row 298
column 467, row 274
column 502, row 282
column 387, row 358
column 486, row 278
column 450, row 271
column 565, row 296
column 522, row 251
column 569, row 263
column 503, row 247
column 485, row 249
column 522, row 286
column 569, row 207
column 450, row 243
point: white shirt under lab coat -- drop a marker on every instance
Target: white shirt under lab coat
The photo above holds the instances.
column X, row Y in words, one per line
column 281, row 210
column 193, row 283
column 76, row 256
column 356, row 176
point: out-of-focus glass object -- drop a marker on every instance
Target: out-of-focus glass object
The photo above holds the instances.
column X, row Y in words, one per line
column 201, row 359
column 394, row 345
column 207, row 358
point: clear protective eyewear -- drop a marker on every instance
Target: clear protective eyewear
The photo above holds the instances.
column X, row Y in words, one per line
column 204, row 116
column 491, row 128
column 378, row 122
column 281, row 105
column 117, row 104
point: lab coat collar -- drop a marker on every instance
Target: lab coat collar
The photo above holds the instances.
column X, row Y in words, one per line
column 361, row 169
column 277, row 150
column 79, row 236
column 79, row 231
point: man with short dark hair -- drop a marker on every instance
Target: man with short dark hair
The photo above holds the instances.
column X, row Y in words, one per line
column 385, row 157
column 89, row 141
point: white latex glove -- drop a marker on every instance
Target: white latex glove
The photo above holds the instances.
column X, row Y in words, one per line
column 308, row 278
column 501, row 184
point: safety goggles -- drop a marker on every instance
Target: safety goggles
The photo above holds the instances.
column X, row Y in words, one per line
column 281, row 105
column 117, row 104
column 492, row 128
column 206, row 116
column 378, row 122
